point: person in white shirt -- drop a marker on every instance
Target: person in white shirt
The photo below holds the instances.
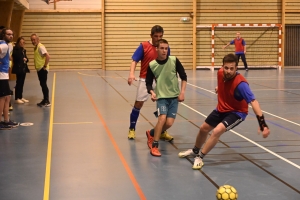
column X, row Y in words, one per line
column 6, row 37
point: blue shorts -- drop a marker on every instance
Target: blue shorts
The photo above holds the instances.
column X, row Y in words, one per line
column 167, row 106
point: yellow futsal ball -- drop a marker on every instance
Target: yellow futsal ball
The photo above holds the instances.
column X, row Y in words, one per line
column 227, row 192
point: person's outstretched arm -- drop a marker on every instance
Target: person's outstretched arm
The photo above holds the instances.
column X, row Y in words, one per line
column 263, row 127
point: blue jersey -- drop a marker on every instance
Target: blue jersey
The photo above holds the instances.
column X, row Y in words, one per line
column 241, row 92
column 4, row 62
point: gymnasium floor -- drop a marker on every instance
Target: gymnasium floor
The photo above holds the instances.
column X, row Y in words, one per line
column 77, row 149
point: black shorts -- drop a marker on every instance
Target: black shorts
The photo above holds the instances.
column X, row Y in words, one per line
column 4, row 88
column 229, row 119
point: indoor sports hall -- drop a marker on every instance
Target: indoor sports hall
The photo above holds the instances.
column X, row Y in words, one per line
column 77, row 148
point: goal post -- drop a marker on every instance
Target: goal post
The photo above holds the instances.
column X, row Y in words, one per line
column 263, row 44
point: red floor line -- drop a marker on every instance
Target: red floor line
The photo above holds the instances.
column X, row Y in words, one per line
column 126, row 166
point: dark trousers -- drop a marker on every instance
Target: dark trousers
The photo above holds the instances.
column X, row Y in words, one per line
column 19, row 85
column 42, row 74
column 243, row 59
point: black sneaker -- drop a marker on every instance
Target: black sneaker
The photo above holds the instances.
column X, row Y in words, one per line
column 4, row 127
column 47, row 103
column 44, row 103
column 10, row 123
column 41, row 103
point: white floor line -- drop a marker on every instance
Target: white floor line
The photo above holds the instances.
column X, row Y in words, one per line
column 279, row 117
column 250, row 106
column 260, row 146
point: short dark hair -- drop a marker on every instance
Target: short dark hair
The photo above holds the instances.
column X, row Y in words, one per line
column 2, row 27
column 2, row 34
column 162, row 41
column 229, row 58
column 157, row 29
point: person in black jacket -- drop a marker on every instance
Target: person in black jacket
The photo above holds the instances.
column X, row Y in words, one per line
column 20, row 68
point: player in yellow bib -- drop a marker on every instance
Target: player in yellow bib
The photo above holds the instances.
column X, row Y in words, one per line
column 41, row 63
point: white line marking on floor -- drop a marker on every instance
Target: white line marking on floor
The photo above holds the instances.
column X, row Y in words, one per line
column 260, row 146
column 250, row 106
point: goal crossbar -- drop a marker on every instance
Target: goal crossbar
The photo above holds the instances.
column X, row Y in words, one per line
column 259, row 25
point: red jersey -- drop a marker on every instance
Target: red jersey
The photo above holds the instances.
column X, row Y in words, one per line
column 239, row 47
column 226, row 100
column 149, row 55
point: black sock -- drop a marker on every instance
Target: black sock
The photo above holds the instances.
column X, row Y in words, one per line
column 196, row 150
column 201, row 155
column 155, row 144
column 152, row 132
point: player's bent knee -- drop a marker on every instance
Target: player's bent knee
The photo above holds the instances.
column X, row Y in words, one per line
column 162, row 119
column 216, row 134
column 205, row 128
column 138, row 104
column 168, row 123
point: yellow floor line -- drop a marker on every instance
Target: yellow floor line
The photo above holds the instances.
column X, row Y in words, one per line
column 49, row 150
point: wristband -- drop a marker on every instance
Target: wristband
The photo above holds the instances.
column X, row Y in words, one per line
column 261, row 122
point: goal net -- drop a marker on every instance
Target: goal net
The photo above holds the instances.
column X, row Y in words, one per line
column 263, row 44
